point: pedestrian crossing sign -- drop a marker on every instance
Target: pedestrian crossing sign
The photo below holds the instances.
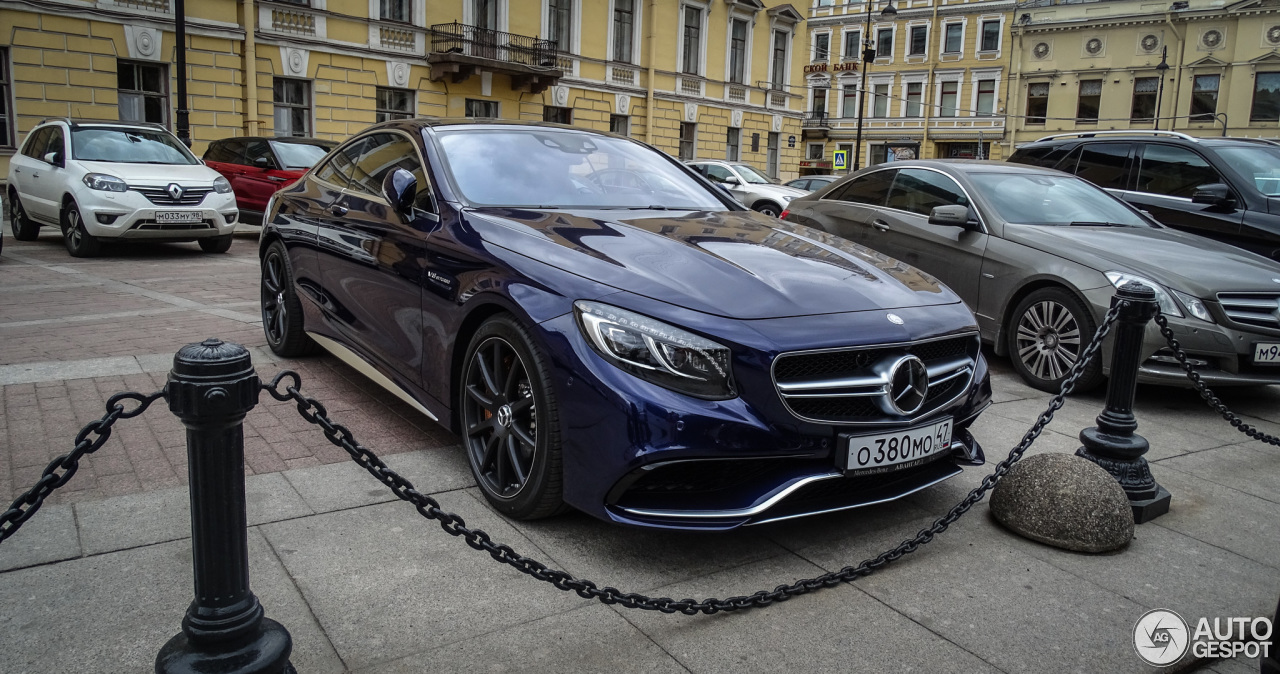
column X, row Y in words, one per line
column 840, row 161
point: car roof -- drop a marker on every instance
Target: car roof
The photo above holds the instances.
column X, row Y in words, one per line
column 1153, row 136
column 965, row 166
column 280, row 139
column 76, row 122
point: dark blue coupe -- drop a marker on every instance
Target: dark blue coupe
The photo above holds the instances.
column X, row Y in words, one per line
column 606, row 330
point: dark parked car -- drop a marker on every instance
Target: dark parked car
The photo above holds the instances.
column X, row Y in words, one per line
column 606, row 330
column 1038, row 255
column 1223, row 188
column 811, row 183
column 257, row 167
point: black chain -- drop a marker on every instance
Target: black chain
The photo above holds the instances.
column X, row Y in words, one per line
column 313, row 411
column 26, row 505
column 1203, row 389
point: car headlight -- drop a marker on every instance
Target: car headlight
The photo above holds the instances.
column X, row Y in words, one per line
column 787, row 197
column 221, row 186
column 105, row 183
column 1167, row 306
column 1194, row 306
column 657, row 352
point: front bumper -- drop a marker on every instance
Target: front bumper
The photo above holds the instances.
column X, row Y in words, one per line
column 130, row 215
column 642, row 455
column 1222, row 354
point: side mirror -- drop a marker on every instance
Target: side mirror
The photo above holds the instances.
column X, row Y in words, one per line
column 399, row 189
column 263, row 162
column 953, row 216
column 731, row 180
column 54, row 158
column 1214, row 194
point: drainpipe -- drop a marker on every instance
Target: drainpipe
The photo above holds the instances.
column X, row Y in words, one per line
column 1011, row 118
column 252, row 125
column 927, row 94
column 649, row 111
column 1177, row 73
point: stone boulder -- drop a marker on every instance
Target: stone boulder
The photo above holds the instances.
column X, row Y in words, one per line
column 1064, row 501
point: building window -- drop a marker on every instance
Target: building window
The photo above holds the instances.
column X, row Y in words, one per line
column 919, row 41
column 475, row 107
column 853, row 45
column 733, row 145
column 738, row 52
column 394, row 104
column 849, row 102
column 819, row 102
column 1266, row 98
column 950, row 96
column 778, row 77
column 771, row 155
column 821, row 46
column 624, row 21
column 560, row 24
column 620, row 124
column 915, row 93
column 143, row 92
column 1037, row 102
column 986, row 97
column 1090, row 97
column 880, row 100
column 6, row 119
column 692, row 39
column 990, row 36
column 1144, row 99
column 884, row 43
column 1204, row 98
column 396, row 10
column 293, row 107
column 815, row 151
column 688, row 139
column 557, row 115
column 954, row 41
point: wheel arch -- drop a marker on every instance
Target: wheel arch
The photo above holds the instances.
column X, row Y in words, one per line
column 484, row 308
column 766, row 201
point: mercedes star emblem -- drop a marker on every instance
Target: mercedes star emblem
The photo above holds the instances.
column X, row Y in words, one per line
column 897, row 320
column 908, row 385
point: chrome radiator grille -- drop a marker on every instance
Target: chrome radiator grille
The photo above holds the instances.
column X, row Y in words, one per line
column 1260, row 310
column 191, row 196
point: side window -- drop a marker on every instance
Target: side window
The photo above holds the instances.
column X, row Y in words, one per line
column 55, row 143
column 700, row 168
column 870, row 189
column 339, row 169
column 919, row 191
column 802, row 184
column 1105, row 164
column 35, row 143
column 217, row 152
column 385, row 153
column 1173, row 171
column 258, row 149
column 717, row 173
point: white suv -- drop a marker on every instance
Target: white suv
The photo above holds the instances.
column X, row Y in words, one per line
column 116, row 180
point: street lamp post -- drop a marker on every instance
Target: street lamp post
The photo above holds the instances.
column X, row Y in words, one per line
column 1160, row 70
column 180, row 30
column 868, row 56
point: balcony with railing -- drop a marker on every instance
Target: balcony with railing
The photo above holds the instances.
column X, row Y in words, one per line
column 459, row 51
column 286, row 18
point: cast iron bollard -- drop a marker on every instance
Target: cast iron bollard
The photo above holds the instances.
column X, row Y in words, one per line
column 1113, row 444
column 211, row 388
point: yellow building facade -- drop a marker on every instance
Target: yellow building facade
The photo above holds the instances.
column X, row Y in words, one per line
column 934, row 90
column 695, row 78
column 1085, row 66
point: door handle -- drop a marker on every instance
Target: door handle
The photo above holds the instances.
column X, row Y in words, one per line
column 338, row 210
column 880, row 225
column 17, row 170
column 277, row 179
column 35, row 175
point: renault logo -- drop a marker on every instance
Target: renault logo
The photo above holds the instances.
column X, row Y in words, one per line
column 908, row 385
column 175, row 191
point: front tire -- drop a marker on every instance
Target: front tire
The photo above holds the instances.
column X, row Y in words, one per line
column 216, row 244
column 768, row 208
column 24, row 228
column 510, row 421
column 79, row 242
column 1047, row 333
column 281, row 309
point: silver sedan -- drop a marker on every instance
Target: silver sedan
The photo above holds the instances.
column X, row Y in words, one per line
column 1037, row 254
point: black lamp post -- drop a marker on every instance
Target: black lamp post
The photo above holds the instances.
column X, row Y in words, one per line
column 180, row 30
column 868, row 56
column 1160, row 70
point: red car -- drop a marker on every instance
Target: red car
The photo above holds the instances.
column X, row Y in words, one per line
column 257, row 167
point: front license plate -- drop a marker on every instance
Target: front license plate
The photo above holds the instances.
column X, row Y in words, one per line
column 1266, row 352
column 167, row 217
column 884, row 452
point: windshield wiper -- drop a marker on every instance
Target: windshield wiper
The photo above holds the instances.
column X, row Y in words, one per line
column 1087, row 223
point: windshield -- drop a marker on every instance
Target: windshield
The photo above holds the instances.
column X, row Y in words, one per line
column 551, row 168
column 129, row 146
column 1043, row 199
column 751, row 175
column 300, row 155
column 1260, row 163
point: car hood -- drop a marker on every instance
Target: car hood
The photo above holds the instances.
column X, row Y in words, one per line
column 154, row 174
column 735, row 264
column 1177, row 260
column 775, row 190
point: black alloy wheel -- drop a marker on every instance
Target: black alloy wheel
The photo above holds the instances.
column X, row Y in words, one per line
column 281, row 309
column 216, row 244
column 510, row 422
column 1048, row 332
column 79, row 242
column 24, row 228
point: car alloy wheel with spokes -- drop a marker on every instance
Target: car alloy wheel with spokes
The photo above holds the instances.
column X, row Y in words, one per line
column 281, row 310
column 511, row 444
column 24, row 228
column 79, row 242
column 1050, row 331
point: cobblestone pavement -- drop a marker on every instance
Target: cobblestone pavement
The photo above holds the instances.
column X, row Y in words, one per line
column 97, row 581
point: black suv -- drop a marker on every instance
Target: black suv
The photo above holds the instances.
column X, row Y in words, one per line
column 1223, row 188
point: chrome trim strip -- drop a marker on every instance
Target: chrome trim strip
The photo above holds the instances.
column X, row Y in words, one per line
column 851, row 382
column 350, row 358
column 860, row 505
column 741, row 512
